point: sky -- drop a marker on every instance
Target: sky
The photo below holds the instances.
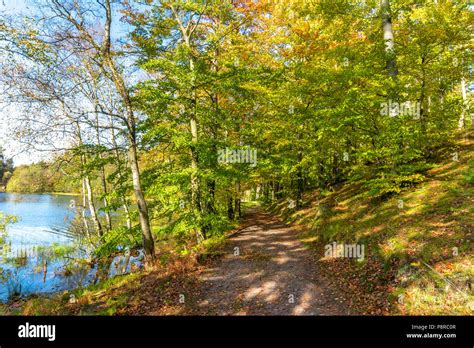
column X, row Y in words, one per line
column 7, row 112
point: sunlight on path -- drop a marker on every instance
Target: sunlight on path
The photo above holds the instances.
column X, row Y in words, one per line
column 272, row 274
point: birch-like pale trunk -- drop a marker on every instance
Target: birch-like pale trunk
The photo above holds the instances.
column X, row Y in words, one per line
column 388, row 38
column 83, row 209
column 195, row 189
column 103, row 179
column 87, row 186
column 92, row 209
column 118, row 80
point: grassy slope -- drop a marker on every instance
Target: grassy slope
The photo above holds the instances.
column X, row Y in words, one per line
column 419, row 258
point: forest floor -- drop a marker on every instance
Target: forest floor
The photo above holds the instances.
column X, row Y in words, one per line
column 418, row 259
column 262, row 269
column 266, row 270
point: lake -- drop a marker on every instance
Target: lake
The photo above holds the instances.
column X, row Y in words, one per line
column 43, row 218
column 44, row 221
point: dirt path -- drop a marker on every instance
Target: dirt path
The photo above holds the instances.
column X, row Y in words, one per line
column 266, row 270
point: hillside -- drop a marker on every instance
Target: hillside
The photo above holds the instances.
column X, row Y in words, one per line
column 419, row 251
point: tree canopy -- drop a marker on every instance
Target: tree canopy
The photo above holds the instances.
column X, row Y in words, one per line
column 185, row 108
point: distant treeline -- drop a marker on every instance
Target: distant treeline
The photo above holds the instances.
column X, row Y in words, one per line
column 6, row 169
column 40, row 177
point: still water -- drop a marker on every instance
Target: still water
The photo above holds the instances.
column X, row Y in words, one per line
column 44, row 221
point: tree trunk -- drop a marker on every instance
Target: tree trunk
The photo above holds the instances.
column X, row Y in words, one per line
column 102, row 173
column 117, row 78
column 92, row 210
column 299, row 174
column 87, row 185
column 120, row 176
column 238, row 211
column 148, row 243
column 388, row 38
column 45, row 270
column 230, row 208
column 195, row 183
column 422, row 99
column 105, row 200
column 462, row 119
column 83, row 210
column 211, row 187
column 211, row 184
column 300, row 187
column 195, row 189
column 127, row 214
column 335, row 168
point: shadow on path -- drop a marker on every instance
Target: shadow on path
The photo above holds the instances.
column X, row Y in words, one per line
column 266, row 270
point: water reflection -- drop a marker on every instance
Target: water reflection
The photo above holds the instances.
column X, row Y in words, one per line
column 42, row 254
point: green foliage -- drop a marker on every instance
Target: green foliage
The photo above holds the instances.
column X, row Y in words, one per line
column 40, row 178
column 55, row 251
column 468, row 177
column 387, row 185
column 5, row 220
column 6, row 169
column 117, row 240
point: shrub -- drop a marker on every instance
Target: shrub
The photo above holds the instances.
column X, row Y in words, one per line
column 383, row 187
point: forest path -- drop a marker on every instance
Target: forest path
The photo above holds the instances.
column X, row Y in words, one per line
column 265, row 270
